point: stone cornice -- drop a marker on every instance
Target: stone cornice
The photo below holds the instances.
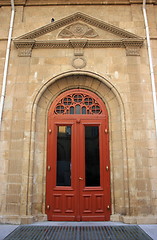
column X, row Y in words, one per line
column 24, row 43
column 78, row 43
column 132, row 45
column 73, row 2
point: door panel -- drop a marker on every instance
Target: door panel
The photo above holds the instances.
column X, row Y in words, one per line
column 93, row 194
column 61, row 190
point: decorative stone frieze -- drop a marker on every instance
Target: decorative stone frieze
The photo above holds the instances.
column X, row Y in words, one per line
column 78, row 44
column 78, row 30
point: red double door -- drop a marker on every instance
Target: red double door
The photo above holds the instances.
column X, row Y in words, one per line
column 78, row 171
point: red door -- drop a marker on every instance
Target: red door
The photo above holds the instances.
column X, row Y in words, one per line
column 78, row 179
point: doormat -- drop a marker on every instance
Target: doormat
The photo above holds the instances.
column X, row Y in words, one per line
column 128, row 232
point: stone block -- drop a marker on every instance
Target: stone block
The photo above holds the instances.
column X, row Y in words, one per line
column 27, row 219
column 146, row 220
column 12, row 199
column 54, row 89
column 12, row 209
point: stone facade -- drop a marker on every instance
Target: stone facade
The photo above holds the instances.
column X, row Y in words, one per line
column 92, row 45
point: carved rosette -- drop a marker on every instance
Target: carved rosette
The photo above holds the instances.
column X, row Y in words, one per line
column 78, row 30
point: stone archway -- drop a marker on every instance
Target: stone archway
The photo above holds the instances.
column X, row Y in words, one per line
column 118, row 159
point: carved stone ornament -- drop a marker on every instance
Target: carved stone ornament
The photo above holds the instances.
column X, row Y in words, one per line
column 132, row 48
column 25, row 49
column 78, row 62
column 80, row 31
column 25, row 52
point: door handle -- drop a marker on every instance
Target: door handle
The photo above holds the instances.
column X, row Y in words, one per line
column 107, row 168
column 80, row 178
column 48, row 167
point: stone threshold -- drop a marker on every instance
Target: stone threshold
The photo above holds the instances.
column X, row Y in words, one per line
column 42, row 218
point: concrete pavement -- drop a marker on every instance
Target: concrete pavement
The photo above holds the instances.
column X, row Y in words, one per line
column 5, row 229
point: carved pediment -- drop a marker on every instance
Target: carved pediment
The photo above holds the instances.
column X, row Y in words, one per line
column 70, row 31
column 73, row 19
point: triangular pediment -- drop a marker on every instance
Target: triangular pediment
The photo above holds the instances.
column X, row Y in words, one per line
column 77, row 30
column 77, row 17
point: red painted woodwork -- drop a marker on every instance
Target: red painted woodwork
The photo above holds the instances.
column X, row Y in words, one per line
column 78, row 202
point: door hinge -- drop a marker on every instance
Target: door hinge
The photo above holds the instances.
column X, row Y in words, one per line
column 108, row 207
column 50, row 130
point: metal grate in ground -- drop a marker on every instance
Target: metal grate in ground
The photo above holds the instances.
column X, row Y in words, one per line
column 128, row 232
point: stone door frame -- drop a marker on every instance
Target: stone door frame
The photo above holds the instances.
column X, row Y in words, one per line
column 43, row 98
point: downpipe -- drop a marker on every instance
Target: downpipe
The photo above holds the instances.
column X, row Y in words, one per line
column 4, row 82
column 152, row 75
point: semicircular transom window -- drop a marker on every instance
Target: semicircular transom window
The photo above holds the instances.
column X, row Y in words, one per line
column 78, row 103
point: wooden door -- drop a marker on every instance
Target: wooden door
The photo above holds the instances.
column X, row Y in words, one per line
column 78, row 176
column 94, row 179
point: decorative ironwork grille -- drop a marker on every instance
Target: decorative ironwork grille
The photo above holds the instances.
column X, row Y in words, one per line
column 78, row 103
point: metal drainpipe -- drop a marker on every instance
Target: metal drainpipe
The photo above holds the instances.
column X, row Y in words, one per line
column 150, row 63
column 6, row 61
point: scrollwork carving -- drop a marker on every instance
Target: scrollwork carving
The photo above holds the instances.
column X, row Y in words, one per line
column 132, row 51
column 78, row 30
column 24, row 52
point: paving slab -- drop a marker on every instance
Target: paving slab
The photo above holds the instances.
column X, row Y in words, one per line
column 151, row 230
column 6, row 229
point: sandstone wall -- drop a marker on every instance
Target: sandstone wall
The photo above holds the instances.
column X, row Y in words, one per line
column 123, row 82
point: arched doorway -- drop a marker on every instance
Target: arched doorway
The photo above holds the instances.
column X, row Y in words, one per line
column 78, row 171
